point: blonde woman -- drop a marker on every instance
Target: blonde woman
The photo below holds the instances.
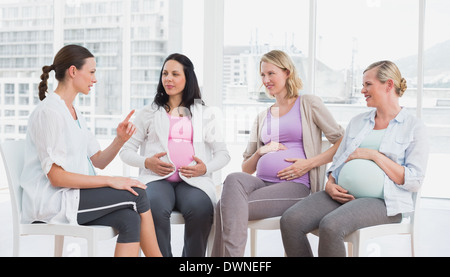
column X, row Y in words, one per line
column 379, row 164
column 285, row 152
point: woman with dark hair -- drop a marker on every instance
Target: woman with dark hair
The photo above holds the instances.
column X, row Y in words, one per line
column 59, row 182
column 181, row 146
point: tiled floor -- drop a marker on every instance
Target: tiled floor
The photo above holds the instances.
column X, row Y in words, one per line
column 432, row 240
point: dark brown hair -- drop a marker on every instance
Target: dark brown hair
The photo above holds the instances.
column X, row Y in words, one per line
column 66, row 57
column 191, row 90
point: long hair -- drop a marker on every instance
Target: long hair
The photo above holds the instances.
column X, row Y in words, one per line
column 191, row 91
column 284, row 62
column 66, row 57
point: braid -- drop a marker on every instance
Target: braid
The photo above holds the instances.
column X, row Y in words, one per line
column 43, row 87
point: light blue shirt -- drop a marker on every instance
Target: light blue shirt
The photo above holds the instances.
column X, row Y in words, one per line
column 405, row 142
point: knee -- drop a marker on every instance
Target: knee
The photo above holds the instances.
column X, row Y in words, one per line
column 233, row 182
column 129, row 228
column 233, row 178
column 199, row 214
column 328, row 226
column 142, row 202
column 201, row 211
column 289, row 219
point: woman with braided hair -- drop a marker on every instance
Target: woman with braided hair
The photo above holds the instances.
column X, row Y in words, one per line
column 59, row 182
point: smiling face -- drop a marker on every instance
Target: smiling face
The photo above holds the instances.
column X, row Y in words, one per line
column 274, row 79
column 373, row 89
column 84, row 78
column 173, row 78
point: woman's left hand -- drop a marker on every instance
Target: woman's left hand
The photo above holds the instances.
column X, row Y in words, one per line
column 299, row 168
column 195, row 170
column 126, row 129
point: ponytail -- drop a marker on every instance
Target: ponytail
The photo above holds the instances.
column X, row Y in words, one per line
column 43, row 86
column 66, row 57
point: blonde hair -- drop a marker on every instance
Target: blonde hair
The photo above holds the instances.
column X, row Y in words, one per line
column 388, row 70
column 283, row 61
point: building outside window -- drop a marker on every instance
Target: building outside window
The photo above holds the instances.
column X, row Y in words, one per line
column 349, row 35
column 331, row 42
column 128, row 38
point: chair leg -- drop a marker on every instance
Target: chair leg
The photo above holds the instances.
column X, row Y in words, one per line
column 253, row 239
column 91, row 248
column 16, row 245
column 350, row 249
column 59, row 246
column 210, row 243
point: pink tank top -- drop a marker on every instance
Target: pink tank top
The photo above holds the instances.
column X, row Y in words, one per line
column 181, row 148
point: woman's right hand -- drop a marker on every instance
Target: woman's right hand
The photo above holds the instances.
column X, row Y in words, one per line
column 271, row 147
column 124, row 183
column 159, row 167
column 336, row 192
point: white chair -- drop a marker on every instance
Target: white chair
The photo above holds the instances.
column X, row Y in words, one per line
column 272, row 223
column 177, row 218
column 357, row 241
column 13, row 159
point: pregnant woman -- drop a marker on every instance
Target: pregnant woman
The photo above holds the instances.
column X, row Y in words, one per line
column 177, row 146
column 379, row 164
column 285, row 151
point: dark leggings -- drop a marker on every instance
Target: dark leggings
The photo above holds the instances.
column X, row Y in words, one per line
column 119, row 209
column 197, row 210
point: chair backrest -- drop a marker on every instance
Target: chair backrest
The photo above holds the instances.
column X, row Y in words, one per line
column 13, row 153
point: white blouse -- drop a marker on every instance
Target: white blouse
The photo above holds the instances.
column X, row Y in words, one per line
column 54, row 137
column 152, row 137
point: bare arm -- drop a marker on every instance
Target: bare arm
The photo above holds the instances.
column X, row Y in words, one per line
column 393, row 170
column 60, row 178
column 124, row 132
column 301, row 166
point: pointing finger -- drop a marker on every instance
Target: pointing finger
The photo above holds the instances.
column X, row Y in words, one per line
column 129, row 116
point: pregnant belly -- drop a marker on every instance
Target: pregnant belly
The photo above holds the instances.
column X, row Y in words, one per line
column 362, row 178
column 181, row 153
column 271, row 163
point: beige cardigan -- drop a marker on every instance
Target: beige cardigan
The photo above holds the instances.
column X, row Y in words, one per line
column 316, row 118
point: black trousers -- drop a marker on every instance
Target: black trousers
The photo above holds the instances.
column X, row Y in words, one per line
column 119, row 209
column 192, row 203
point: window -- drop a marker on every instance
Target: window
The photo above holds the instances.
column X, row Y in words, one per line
column 9, row 94
column 359, row 34
column 436, row 96
column 349, row 36
column 10, row 113
column 252, row 28
column 24, row 98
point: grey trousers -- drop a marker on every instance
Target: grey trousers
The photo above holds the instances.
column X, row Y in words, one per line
column 197, row 210
column 334, row 220
column 246, row 197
